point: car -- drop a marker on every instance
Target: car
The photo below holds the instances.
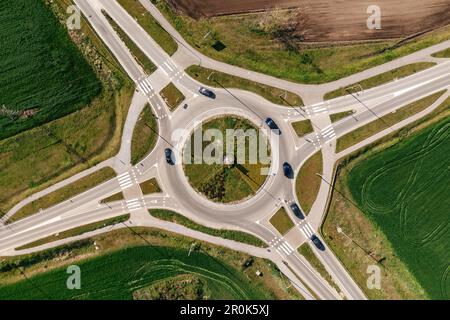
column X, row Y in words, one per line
column 287, row 170
column 297, row 211
column 319, row 245
column 273, row 126
column 207, row 92
column 170, row 158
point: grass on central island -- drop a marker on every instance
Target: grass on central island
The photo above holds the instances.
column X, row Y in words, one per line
column 222, row 182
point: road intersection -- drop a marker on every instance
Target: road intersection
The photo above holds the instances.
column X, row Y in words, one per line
column 251, row 216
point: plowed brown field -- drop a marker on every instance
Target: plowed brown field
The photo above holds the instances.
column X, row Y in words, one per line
column 338, row 20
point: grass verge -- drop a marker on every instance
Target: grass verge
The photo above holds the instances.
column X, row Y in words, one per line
column 306, row 251
column 149, row 24
column 115, row 197
column 307, row 184
column 211, row 77
column 144, row 135
column 150, row 186
column 137, row 53
column 442, row 54
column 335, row 117
column 172, row 96
column 63, row 193
column 77, row 231
column 378, row 125
column 238, row 236
column 303, row 127
column 381, row 79
column 281, row 221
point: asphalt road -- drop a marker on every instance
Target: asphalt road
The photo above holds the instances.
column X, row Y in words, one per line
column 250, row 216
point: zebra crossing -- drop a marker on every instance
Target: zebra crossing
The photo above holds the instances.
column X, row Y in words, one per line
column 172, row 70
column 317, row 109
column 328, row 133
column 126, row 179
column 306, row 229
column 281, row 246
column 131, row 205
column 146, row 87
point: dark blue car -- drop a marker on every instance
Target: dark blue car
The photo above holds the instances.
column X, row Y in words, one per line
column 170, row 158
column 273, row 126
column 297, row 211
column 287, row 170
column 319, row 245
column 207, row 92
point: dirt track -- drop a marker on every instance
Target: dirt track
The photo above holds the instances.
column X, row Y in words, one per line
column 338, row 20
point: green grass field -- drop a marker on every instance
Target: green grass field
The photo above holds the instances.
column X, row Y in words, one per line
column 226, row 182
column 42, row 156
column 119, row 274
column 404, row 190
column 42, row 70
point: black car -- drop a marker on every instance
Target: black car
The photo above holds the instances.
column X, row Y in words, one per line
column 272, row 125
column 287, row 170
column 319, row 245
column 297, row 211
column 207, row 92
column 170, row 158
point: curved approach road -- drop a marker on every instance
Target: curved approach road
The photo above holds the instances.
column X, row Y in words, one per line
column 251, row 216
